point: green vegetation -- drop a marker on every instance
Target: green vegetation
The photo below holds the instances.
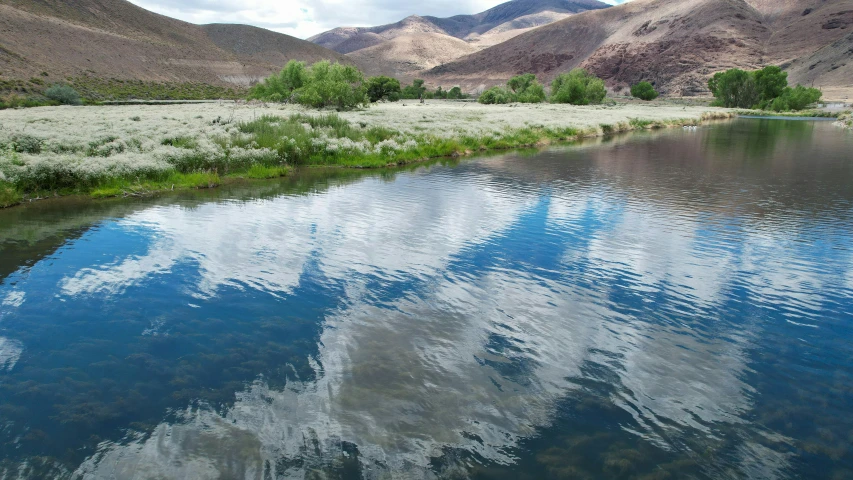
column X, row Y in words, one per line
column 16, row 100
column 455, row 93
column 644, row 91
column 522, row 88
column 414, row 91
column 577, row 87
column 497, row 95
column 795, row 99
column 8, row 195
column 527, row 89
column 63, row 94
column 846, row 120
column 323, row 84
column 282, row 87
column 383, row 88
column 765, row 89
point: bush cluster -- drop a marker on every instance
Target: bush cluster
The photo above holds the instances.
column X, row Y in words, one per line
column 644, row 91
column 765, row 89
column 63, row 94
column 577, row 87
column 323, row 84
column 522, row 88
column 383, row 88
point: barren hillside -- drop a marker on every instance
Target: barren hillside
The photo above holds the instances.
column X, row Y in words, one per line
column 401, row 56
column 116, row 39
column 676, row 44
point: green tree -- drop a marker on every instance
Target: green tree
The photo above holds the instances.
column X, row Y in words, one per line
column 333, row 85
column 454, row 93
column 415, row 90
column 766, row 89
column 497, row 95
column 282, row 86
column 383, row 88
column 796, row 98
column 644, row 91
column 526, row 88
column 770, row 82
column 577, row 87
column 734, row 88
column 323, row 84
column 521, row 83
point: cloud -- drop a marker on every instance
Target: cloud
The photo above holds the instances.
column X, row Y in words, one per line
column 304, row 18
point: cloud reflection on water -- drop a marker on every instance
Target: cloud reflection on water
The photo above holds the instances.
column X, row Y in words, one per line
column 475, row 358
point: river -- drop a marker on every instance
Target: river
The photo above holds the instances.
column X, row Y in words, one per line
column 672, row 304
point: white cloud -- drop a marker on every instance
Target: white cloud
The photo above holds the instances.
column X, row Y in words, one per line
column 303, row 18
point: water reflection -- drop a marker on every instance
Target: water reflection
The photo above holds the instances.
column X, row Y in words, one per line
column 660, row 305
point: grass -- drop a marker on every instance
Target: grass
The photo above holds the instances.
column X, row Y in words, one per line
column 174, row 180
column 9, row 195
column 263, row 172
column 124, row 151
column 803, row 113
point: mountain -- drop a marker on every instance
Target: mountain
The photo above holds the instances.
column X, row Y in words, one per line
column 118, row 40
column 676, row 44
column 402, row 55
column 473, row 32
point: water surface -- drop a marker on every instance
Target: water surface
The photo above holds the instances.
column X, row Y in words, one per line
column 665, row 305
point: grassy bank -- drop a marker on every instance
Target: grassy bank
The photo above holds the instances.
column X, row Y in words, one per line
column 133, row 150
column 800, row 114
column 845, row 120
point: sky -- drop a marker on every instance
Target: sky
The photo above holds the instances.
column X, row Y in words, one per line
column 304, row 18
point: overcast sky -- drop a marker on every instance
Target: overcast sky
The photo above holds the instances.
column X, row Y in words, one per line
column 304, row 18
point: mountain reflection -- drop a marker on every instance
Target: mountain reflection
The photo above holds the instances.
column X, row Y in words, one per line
column 459, row 308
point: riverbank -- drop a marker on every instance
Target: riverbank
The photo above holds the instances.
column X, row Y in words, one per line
column 133, row 150
column 845, row 121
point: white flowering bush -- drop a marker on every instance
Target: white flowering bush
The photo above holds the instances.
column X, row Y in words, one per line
column 52, row 147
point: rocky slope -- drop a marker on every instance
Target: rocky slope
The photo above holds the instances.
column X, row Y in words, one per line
column 116, row 39
column 473, row 32
column 676, row 44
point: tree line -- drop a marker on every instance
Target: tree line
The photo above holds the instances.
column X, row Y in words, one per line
column 326, row 84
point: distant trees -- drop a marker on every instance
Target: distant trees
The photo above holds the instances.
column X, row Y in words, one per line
column 383, row 88
column 323, row 84
column 414, row 91
column 765, row 89
column 644, row 91
column 522, row 88
column 454, row 93
column 497, row 95
column 577, row 87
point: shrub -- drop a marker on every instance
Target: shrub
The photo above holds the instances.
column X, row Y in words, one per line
column 797, row 98
column 323, row 84
column 765, row 89
column 281, row 87
column 454, row 93
column 644, row 91
column 527, row 89
column 63, row 94
column 770, row 82
column 383, row 88
column 414, row 91
column 497, row 95
column 577, row 87
column 27, row 144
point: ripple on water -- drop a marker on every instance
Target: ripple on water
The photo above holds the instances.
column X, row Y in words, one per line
column 677, row 303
